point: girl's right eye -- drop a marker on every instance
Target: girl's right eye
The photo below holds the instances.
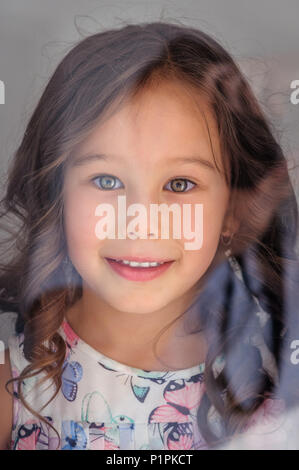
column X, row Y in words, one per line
column 107, row 182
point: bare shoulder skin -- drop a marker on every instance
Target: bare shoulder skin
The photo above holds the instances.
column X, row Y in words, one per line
column 6, row 403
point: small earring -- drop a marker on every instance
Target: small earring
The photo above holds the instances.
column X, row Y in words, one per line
column 226, row 241
column 231, row 259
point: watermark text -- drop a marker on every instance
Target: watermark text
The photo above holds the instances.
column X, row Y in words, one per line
column 106, row 226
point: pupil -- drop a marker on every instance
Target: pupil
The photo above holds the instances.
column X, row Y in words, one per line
column 179, row 184
column 107, row 178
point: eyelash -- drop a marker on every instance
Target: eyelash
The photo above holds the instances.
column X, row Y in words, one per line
column 109, row 176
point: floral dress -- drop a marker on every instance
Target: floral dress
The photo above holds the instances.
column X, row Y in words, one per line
column 105, row 405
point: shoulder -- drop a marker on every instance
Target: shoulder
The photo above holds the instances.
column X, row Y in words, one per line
column 11, row 363
column 6, row 401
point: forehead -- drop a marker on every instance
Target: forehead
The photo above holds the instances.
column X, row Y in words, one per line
column 168, row 120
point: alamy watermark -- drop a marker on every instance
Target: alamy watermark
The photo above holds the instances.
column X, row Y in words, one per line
column 105, row 228
column 295, row 354
column 2, row 92
column 295, row 94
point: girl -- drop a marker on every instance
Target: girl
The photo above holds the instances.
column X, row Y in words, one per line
column 158, row 113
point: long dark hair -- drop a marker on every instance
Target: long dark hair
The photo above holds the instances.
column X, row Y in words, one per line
column 91, row 81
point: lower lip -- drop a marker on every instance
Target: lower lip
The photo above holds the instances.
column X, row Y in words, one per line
column 138, row 274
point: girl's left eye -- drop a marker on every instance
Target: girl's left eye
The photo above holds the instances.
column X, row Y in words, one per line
column 178, row 185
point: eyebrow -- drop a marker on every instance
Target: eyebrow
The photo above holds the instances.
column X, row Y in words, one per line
column 89, row 158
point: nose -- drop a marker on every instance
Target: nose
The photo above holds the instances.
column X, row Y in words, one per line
column 139, row 221
column 136, row 235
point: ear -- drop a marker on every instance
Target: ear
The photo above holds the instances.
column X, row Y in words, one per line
column 230, row 224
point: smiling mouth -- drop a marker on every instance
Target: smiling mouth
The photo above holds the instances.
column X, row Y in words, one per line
column 140, row 263
column 134, row 271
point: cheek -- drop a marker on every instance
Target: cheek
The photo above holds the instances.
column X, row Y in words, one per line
column 212, row 225
column 208, row 226
column 80, row 223
column 196, row 262
column 206, row 221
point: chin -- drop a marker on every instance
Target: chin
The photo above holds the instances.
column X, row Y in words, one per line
column 137, row 306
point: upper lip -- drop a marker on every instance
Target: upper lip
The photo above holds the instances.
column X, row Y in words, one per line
column 140, row 259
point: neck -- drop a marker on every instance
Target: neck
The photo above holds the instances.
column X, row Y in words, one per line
column 130, row 337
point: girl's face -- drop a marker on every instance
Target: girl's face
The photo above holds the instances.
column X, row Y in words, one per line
column 147, row 145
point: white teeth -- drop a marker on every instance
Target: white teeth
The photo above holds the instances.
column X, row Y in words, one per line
column 135, row 264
